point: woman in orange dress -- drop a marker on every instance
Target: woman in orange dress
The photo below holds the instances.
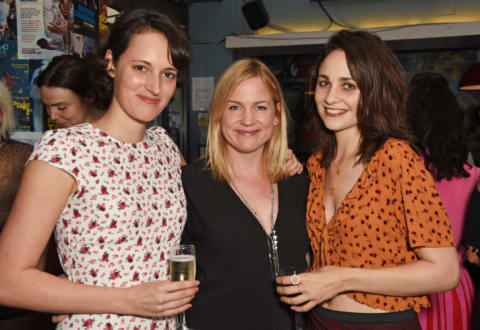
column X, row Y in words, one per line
column 380, row 237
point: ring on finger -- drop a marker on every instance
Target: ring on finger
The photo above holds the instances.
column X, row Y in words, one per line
column 295, row 279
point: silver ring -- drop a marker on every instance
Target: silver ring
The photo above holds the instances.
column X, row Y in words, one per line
column 295, row 279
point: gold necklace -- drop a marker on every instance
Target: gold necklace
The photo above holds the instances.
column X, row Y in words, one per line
column 331, row 189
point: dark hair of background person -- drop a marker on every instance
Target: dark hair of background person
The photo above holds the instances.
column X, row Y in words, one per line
column 437, row 121
column 118, row 39
column 71, row 72
column 381, row 109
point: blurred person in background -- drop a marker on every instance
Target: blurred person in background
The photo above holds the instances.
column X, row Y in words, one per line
column 67, row 93
column 437, row 122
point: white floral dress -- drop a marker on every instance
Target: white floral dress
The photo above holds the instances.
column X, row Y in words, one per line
column 118, row 228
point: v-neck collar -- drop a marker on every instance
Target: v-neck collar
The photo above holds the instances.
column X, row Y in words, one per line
column 252, row 216
column 365, row 180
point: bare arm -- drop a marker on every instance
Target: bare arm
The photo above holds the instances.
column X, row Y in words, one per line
column 436, row 271
column 41, row 198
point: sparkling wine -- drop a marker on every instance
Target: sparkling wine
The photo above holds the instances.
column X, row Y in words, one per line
column 182, row 267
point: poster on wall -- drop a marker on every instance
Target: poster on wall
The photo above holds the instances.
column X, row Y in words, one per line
column 102, row 18
column 14, row 74
column 85, row 28
column 8, row 22
column 42, row 28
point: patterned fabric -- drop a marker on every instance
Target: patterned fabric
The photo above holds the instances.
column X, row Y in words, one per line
column 392, row 209
column 118, row 228
column 13, row 156
column 452, row 310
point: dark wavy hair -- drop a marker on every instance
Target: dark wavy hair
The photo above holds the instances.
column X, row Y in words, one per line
column 437, row 121
column 118, row 39
column 380, row 79
column 71, row 72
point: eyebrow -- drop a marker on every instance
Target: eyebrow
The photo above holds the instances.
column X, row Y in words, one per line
column 56, row 104
column 150, row 64
column 238, row 102
column 341, row 78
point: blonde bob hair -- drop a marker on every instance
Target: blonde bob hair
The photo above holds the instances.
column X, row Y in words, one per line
column 275, row 150
column 7, row 123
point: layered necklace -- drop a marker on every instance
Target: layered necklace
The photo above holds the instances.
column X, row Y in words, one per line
column 272, row 238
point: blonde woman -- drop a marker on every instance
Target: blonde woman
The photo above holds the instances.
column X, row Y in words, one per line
column 246, row 216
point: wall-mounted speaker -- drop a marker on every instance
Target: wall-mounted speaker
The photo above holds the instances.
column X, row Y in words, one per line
column 255, row 14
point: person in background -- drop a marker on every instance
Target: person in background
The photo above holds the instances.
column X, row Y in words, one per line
column 246, row 214
column 380, row 236
column 471, row 241
column 115, row 198
column 66, row 89
column 13, row 156
column 437, row 122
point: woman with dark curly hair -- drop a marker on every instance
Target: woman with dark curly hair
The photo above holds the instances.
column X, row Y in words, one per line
column 380, row 237
column 438, row 124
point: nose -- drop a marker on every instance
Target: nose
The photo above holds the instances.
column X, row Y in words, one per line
column 248, row 117
column 153, row 84
column 53, row 114
column 331, row 95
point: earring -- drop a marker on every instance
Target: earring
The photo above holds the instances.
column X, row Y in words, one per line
column 275, row 122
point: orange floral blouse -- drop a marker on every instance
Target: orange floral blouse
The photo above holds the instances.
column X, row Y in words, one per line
column 392, row 209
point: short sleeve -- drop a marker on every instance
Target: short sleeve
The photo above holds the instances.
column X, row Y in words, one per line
column 426, row 219
column 161, row 137
column 58, row 148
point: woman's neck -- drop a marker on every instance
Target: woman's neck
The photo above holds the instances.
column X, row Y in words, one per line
column 348, row 143
column 243, row 165
column 120, row 126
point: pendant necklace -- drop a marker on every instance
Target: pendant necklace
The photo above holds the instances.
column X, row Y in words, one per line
column 331, row 190
column 272, row 238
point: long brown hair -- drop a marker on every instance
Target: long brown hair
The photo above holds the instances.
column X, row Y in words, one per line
column 380, row 78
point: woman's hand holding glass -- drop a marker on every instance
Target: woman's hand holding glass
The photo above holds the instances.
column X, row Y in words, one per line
column 153, row 299
column 162, row 298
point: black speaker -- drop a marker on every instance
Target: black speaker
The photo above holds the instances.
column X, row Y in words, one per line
column 255, row 14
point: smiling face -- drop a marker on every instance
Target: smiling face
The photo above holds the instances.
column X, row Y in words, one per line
column 64, row 106
column 336, row 94
column 249, row 117
column 145, row 78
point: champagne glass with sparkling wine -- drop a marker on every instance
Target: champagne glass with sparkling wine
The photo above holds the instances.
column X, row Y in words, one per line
column 182, row 268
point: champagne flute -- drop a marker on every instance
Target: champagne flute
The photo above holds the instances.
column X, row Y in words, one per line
column 182, row 268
